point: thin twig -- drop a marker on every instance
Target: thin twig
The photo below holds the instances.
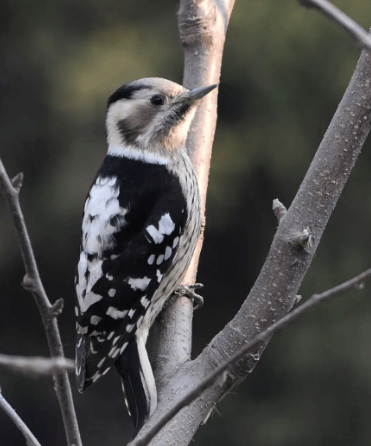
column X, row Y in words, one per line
column 338, row 16
column 37, row 365
column 264, row 336
column 12, row 414
column 279, row 210
column 32, row 282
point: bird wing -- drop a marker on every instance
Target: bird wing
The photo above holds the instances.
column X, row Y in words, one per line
column 129, row 241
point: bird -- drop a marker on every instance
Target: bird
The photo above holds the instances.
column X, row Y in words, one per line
column 140, row 226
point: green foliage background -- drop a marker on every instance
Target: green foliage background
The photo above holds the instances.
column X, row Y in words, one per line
column 284, row 72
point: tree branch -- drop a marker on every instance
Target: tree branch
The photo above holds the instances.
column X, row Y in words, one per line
column 12, row 414
column 217, row 375
column 202, row 27
column 32, row 282
column 36, row 366
column 301, row 229
column 356, row 31
column 291, row 253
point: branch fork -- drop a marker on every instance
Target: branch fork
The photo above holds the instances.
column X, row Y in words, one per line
column 300, row 229
column 202, row 67
column 32, row 283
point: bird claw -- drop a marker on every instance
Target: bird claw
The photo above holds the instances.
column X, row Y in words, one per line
column 188, row 291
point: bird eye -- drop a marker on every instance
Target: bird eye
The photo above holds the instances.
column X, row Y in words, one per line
column 157, row 100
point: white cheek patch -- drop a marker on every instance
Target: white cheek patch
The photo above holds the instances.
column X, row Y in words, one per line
column 133, row 109
column 136, row 129
column 116, row 112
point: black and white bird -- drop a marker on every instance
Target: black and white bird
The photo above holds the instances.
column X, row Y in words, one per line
column 140, row 227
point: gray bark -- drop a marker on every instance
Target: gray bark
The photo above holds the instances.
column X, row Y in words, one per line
column 301, row 229
column 48, row 312
column 202, row 26
column 12, row 414
column 291, row 253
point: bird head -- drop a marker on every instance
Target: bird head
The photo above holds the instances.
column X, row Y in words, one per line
column 151, row 115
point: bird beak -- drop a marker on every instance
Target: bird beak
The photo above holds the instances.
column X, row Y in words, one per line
column 198, row 93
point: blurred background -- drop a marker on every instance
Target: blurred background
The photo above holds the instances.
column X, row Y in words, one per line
column 284, row 72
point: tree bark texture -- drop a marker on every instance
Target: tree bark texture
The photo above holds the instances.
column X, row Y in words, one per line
column 301, row 229
column 48, row 312
column 291, row 253
column 202, row 27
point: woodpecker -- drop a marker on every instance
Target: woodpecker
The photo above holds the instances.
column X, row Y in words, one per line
column 140, row 227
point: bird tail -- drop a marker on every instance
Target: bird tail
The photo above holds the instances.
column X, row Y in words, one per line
column 137, row 381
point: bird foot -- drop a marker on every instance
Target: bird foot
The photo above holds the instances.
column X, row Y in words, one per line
column 187, row 291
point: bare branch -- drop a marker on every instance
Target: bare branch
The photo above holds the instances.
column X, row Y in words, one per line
column 202, row 27
column 28, row 435
column 339, row 17
column 299, row 233
column 217, row 375
column 32, row 282
column 275, row 290
column 36, row 366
